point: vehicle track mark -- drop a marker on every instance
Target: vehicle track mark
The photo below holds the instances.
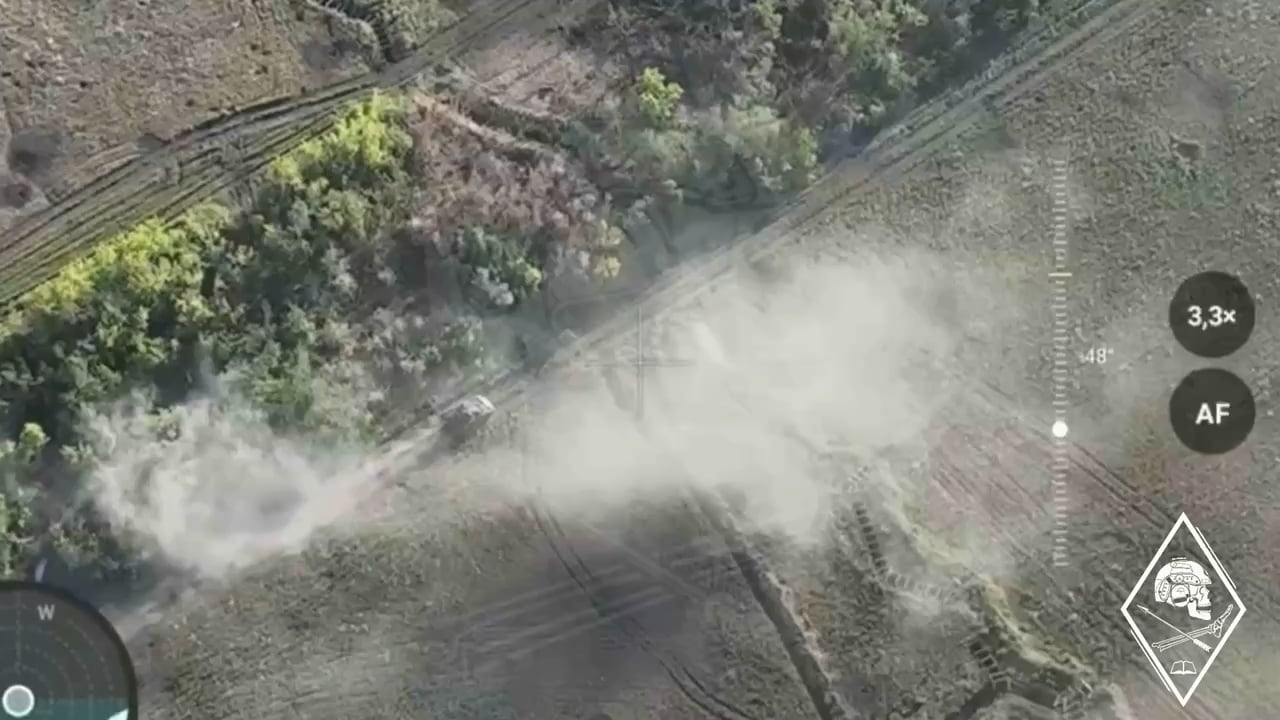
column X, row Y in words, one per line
column 711, row 703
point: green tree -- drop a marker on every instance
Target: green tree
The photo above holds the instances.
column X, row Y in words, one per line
column 18, row 463
column 656, row 98
column 119, row 316
column 704, row 158
column 499, row 267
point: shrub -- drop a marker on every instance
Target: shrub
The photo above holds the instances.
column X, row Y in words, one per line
column 17, row 497
column 702, row 156
column 1003, row 16
column 404, row 24
column 367, row 146
column 656, row 98
column 499, row 267
column 866, row 38
column 781, row 155
column 119, row 316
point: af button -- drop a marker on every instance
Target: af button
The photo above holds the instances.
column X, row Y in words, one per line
column 1212, row 411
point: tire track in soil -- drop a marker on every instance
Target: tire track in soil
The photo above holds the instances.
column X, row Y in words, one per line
column 944, row 112
column 1009, row 669
column 680, row 557
column 226, row 150
column 187, row 160
column 1153, row 516
column 686, row 681
column 776, row 600
column 1077, row 698
column 853, row 529
column 206, row 181
column 1100, row 625
column 629, row 593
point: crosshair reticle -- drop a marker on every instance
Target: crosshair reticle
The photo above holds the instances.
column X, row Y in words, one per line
column 60, row 659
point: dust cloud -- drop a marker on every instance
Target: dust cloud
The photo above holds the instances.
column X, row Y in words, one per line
column 745, row 390
column 209, row 488
column 751, row 382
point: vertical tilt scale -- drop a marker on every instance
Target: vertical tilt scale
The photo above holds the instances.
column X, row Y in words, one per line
column 1059, row 276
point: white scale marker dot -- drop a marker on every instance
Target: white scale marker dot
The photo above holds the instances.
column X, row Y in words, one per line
column 1059, row 429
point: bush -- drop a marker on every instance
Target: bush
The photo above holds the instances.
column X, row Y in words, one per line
column 705, row 156
column 715, row 50
column 499, row 267
column 18, row 461
column 781, row 155
column 1002, row 16
column 656, row 98
column 866, row 39
column 367, row 146
column 404, row 24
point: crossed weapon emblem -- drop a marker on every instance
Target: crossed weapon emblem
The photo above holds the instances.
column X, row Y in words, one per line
column 1214, row 628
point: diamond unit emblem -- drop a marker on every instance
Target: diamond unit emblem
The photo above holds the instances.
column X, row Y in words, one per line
column 1183, row 609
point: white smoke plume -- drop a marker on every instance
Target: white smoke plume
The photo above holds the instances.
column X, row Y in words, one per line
column 209, row 487
column 834, row 356
column 747, row 387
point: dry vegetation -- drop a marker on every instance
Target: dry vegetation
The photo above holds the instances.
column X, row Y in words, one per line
column 537, row 201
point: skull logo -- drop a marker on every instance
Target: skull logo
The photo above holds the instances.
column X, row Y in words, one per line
column 1183, row 583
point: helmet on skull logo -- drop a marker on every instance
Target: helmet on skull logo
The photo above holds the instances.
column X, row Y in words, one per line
column 1184, row 583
